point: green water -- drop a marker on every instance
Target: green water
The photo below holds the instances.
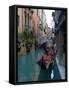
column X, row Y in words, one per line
column 27, row 65
column 29, row 70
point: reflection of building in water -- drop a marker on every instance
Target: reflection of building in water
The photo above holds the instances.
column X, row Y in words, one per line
column 60, row 27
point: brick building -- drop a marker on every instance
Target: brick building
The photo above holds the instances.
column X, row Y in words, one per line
column 31, row 20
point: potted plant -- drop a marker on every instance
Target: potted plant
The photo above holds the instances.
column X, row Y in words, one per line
column 28, row 38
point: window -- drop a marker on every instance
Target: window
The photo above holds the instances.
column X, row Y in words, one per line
column 28, row 22
column 37, row 12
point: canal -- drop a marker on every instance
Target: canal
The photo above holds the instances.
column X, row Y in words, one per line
column 29, row 70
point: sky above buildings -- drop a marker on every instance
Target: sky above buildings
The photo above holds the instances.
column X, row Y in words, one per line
column 49, row 18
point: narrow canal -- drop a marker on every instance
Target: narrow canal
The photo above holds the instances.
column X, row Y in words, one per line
column 29, row 70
